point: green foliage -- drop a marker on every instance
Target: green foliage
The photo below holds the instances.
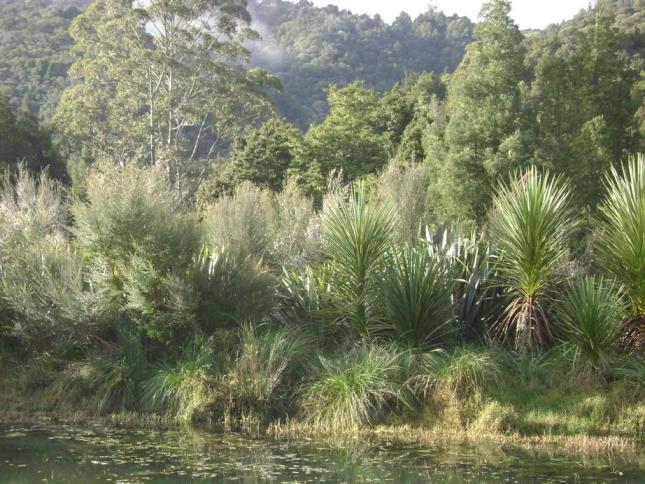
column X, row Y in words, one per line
column 311, row 47
column 264, row 155
column 241, row 222
column 181, row 388
column 351, row 138
column 483, row 136
column 589, row 318
column 405, row 186
column 231, row 288
column 355, row 388
column 34, row 46
column 357, row 235
column 586, row 105
column 266, row 362
column 25, row 141
column 120, row 373
column 139, row 242
column 42, row 277
column 455, row 375
column 469, row 261
column 621, row 238
column 530, row 226
column 159, row 83
column 416, row 293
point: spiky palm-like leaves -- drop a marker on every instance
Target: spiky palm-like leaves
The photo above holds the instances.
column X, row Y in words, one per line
column 530, row 224
column 357, row 235
column 590, row 317
column 621, row 241
column 417, row 297
column 475, row 298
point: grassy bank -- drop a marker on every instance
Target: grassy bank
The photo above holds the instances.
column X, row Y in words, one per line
column 471, row 395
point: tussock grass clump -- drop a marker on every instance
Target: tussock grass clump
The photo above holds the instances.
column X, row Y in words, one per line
column 354, row 389
column 456, row 375
column 177, row 390
column 264, row 368
column 120, row 373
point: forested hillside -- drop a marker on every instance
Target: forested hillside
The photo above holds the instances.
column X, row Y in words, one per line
column 34, row 50
column 309, row 48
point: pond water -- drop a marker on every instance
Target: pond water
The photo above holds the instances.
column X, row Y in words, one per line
column 57, row 453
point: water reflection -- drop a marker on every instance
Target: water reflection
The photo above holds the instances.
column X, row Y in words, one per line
column 68, row 454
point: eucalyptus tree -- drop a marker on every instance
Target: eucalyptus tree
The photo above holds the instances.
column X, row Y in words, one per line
column 159, row 82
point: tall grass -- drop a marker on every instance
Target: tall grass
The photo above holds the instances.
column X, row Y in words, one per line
column 354, row 389
column 589, row 317
column 416, row 295
column 178, row 389
column 405, row 186
column 120, row 371
column 530, row 226
column 264, row 367
column 242, row 222
column 357, row 236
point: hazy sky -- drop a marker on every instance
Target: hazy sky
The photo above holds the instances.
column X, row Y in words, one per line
column 527, row 13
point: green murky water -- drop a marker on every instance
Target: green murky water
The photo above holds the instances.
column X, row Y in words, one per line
column 30, row 454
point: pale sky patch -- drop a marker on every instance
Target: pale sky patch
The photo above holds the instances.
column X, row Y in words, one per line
column 529, row 14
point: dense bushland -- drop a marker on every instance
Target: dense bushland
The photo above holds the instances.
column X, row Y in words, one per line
column 128, row 299
column 488, row 277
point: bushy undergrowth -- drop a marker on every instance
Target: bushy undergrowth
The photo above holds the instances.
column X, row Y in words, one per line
column 268, row 307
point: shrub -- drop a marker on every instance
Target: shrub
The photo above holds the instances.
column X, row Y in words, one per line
column 296, row 243
column 530, row 226
column 31, row 209
column 357, row 236
column 139, row 242
column 405, row 185
column 354, row 389
column 231, row 288
column 417, row 298
column 242, row 223
column 589, row 318
column 42, row 279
